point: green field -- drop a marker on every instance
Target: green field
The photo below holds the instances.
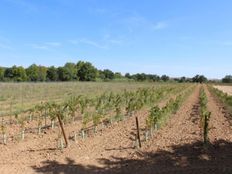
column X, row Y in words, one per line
column 22, row 96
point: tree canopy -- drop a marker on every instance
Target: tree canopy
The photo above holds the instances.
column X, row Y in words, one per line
column 199, row 79
column 86, row 71
column 227, row 79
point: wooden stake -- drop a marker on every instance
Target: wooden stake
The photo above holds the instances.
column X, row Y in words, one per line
column 45, row 120
column 62, row 128
column 138, row 134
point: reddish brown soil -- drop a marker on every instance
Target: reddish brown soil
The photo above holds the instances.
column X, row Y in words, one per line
column 175, row 148
column 30, row 154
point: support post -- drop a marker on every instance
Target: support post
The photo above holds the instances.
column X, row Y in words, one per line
column 62, row 128
column 138, row 134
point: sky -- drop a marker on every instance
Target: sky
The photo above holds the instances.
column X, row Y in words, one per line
column 173, row 37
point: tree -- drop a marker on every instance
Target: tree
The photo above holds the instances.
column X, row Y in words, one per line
column 182, row 79
column 154, row 78
column 108, row 74
column 139, row 77
column 199, row 79
column 143, row 77
column 19, row 74
column 165, row 78
column 33, row 72
column 101, row 74
column 52, row 74
column 118, row 75
column 202, row 79
column 127, row 75
column 86, row 71
column 15, row 73
column 42, row 73
column 2, row 71
column 71, row 70
column 227, row 79
column 63, row 74
column 8, row 74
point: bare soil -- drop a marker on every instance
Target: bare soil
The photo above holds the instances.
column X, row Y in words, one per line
column 175, row 148
column 225, row 89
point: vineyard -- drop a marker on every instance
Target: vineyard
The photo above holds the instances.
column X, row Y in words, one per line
column 114, row 128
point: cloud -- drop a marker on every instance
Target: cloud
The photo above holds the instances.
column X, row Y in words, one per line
column 103, row 43
column 54, row 44
column 136, row 20
column 139, row 22
column 88, row 42
column 38, row 46
column 133, row 23
column 114, row 41
column 46, row 45
column 93, row 43
column 160, row 25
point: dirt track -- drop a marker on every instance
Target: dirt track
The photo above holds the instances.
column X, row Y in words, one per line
column 175, row 148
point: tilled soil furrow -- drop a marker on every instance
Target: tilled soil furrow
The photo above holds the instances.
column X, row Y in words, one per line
column 173, row 148
column 178, row 147
column 220, row 128
column 183, row 127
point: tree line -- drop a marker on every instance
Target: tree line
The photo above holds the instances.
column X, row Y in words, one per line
column 83, row 71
